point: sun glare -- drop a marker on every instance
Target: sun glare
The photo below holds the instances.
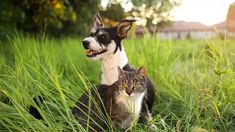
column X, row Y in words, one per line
column 208, row 12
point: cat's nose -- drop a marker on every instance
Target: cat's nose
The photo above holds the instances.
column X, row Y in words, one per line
column 129, row 91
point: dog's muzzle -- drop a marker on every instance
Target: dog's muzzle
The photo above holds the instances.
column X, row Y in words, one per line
column 91, row 52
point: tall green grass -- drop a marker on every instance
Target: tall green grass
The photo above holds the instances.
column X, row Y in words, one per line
column 194, row 79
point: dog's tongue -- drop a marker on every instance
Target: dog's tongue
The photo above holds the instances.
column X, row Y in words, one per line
column 90, row 52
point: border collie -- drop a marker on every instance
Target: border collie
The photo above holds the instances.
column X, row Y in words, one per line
column 105, row 44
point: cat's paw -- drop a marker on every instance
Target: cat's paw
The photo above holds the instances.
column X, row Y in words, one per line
column 152, row 128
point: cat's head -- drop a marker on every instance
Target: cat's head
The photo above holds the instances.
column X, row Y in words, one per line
column 132, row 83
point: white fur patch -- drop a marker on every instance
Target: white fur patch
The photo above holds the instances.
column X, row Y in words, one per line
column 133, row 102
column 94, row 45
column 110, row 63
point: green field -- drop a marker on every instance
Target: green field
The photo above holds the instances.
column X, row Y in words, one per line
column 194, row 79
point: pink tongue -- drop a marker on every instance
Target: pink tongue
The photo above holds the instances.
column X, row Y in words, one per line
column 90, row 52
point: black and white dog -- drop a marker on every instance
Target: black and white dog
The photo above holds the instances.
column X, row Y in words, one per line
column 105, row 44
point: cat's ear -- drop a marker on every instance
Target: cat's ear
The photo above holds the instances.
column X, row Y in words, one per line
column 97, row 21
column 120, row 72
column 123, row 27
column 142, row 71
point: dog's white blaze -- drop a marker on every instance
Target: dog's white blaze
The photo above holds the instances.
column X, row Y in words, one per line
column 132, row 102
column 93, row 29
column 110, row 62
column 94, row 45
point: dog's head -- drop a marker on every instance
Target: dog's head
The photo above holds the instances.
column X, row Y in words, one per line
column 103, row 41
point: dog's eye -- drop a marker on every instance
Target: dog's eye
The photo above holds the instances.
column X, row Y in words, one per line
column 92, row 34
column 103, row 36
column 104, row 39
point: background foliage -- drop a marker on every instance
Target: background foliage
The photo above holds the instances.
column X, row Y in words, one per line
column 53, row 16
column 74, row 17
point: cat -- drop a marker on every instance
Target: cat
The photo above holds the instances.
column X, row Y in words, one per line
column 119, row 104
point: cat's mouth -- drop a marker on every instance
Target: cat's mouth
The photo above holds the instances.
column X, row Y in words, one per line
column 93, row 53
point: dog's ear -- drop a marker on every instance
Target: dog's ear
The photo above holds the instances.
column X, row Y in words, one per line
column 120, row 72
column 123, row 27
column 98, row 21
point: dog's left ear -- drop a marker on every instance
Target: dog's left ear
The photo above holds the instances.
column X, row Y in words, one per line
column 123, row 27
column 97, row 21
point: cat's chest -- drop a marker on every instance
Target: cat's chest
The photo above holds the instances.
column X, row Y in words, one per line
column 131, row 104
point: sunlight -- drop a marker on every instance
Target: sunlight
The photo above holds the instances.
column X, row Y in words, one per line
column 208, row 12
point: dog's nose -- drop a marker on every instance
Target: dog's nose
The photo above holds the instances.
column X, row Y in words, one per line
column 85, row 44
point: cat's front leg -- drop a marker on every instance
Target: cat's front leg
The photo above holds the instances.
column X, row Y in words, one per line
column 146, row 117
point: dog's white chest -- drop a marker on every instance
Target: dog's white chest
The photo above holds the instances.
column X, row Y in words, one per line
column 110, row 66
column 109, row 77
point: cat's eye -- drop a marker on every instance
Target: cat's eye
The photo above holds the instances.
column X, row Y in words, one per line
column 139, row 88
column 136, row 85
column 123, row 86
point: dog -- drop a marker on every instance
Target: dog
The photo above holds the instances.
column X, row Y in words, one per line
column 105, row 44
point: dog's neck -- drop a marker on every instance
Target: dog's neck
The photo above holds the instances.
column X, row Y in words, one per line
column 109, row 66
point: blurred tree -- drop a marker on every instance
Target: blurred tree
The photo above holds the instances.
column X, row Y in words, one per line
column 9, row 17
column 40, row 14
column 112, row 14
column 85, row 10
column 52, row 16
column 150, row 13
column 153, row 12
column 75, row 16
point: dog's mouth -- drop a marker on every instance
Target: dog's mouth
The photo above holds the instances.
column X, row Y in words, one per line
column 93, row 53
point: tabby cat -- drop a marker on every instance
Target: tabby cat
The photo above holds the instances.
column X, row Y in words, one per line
column 118, row 104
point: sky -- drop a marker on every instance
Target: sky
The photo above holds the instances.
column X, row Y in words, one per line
column 208, row 12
